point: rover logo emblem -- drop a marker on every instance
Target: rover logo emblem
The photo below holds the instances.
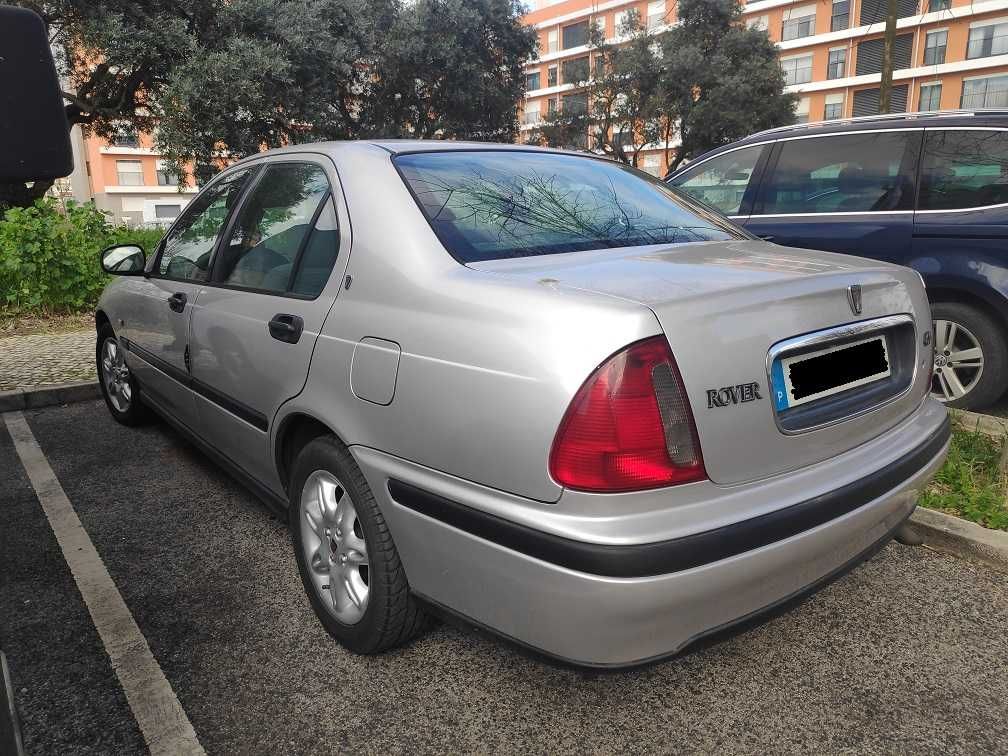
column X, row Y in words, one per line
column 742, row 392
column 854, row 298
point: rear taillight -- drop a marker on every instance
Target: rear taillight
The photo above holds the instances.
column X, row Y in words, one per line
column 629, row 427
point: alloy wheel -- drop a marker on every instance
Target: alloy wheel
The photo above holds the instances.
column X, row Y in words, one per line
column 958, row 361
column 116, row 376
column 335, row 550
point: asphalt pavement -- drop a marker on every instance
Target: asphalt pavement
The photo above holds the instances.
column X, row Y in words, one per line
column 907, row 654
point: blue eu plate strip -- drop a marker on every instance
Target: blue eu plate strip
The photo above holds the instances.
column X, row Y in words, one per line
column 779, row 389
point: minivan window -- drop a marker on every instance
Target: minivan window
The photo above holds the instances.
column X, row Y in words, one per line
column 271, row 227
column 189, row 244
column 861, row 172
column 964, row 169
column 721, row 182
column 492, row 204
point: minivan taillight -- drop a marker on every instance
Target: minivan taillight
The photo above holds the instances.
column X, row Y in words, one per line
column 629, row 427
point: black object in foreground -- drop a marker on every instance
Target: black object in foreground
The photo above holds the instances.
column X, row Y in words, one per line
column 10, row 728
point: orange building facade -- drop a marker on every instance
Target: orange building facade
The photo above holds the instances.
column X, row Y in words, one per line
column 949, row 54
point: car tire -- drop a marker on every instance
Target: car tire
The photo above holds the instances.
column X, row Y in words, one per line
column 971, row 326
column 389, row 616
column 121, row 390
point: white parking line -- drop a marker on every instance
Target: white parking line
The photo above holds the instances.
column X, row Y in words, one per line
column 157, row 710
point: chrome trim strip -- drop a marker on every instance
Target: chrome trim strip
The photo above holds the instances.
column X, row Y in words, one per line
column 829, row 335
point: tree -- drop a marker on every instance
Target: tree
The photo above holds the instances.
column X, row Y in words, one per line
column 221, row 79
column 621, row 111
column 721, row 81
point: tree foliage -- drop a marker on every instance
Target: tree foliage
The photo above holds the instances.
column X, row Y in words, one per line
column 704, row 82
column 225, row 78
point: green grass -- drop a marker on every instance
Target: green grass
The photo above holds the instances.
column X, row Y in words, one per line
column 971, row 484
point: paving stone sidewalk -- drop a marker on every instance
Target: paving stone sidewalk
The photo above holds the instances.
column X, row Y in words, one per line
column 45, row 359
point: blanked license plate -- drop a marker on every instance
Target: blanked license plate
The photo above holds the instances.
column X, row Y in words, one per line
column 816, row 375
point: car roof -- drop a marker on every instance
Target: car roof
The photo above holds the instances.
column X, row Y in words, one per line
column 891, row 121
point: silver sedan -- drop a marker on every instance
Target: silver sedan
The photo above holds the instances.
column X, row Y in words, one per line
column 537, row 390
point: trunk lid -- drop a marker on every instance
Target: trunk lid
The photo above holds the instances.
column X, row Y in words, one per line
column 723, row 306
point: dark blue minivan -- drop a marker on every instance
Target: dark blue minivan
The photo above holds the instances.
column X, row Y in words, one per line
column 925, row 190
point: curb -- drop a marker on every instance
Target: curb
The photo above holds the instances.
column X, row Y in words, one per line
column 962, row 538
column 46, row 396
column 990, row 425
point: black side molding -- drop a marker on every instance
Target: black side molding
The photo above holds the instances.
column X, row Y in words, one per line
column 665, row 557
column 251, row 416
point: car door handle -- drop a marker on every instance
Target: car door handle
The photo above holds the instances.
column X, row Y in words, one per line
column 177, row 301
column 286, row 328
column 768, row 237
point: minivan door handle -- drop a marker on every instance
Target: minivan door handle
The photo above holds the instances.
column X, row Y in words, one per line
column 177, row 301
column 767, row 237
column 286, row 328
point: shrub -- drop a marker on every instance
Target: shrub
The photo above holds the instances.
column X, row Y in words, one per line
column 49, row 260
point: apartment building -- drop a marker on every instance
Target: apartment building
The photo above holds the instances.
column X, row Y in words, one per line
column 127, row 178
column 949, row 53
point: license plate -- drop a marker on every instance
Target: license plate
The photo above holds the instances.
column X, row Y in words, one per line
column 816, row 375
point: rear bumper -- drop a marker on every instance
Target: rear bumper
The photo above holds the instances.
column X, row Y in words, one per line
column 616, row 604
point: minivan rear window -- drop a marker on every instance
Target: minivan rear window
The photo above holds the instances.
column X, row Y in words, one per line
column 494, row 204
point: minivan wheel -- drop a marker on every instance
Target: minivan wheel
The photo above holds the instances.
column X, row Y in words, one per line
column 970, row 356
column 118, row 384
column 348, row 562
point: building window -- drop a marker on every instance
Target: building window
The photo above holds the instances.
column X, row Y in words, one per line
column 837, row 67
column 935, row 45
column 551, row 105
column 991, row 92
column 840, row 18
column 575, row 35
column 656, row 14
column 166, row 212
column 802, row 110
column 930, row 97
column 553, row 40
column 574, row 71
column 650, row 164
column 129, row 172
column 166, row 177
column 985, row 41
column 759, row 23
column 124, row 136
column 938, row 5
column 798, row 23
column 620, row 21
column 871, row 51
column 599, row 66
column 532, row 81
column 834, row 107
column 797, row 70
column 575, row 104
column 551, row 76
column 531, row 113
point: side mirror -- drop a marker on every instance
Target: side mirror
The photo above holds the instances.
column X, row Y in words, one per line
column 124, row 260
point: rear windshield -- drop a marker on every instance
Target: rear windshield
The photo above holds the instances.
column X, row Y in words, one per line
column 488, row 205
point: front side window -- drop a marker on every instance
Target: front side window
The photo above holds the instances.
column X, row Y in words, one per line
column 271, row 227
column 935, row 45
column 840, row 174
column 990, row 92
column 797, row 70
column 504, row 204
column 930, row 97
column 985, row 41
column 963, row 169
column 721, row 182
column 189, row 245
column 837, row 67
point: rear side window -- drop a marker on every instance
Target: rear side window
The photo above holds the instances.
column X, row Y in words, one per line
column 852, row 173
column 721, row 182
column 964, row 169
column 272, row 227
column 488, row 205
